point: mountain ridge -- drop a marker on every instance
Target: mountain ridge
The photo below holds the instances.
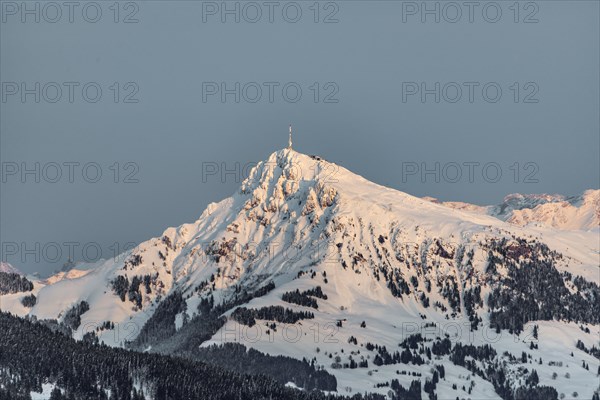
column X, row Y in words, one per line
column 9, row 269
column 580, row 212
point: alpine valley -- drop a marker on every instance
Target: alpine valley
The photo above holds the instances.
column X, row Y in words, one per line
column 311, row 282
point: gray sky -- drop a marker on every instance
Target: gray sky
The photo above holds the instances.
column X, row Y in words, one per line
column 370, row 68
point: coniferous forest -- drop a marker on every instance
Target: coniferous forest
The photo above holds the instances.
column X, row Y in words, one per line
column 31, row 354
column 14, row 283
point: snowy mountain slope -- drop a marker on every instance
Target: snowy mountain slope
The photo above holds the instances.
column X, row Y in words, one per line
column 580, row 212
column 61, row 275
column 401, row 264
column 9, row 269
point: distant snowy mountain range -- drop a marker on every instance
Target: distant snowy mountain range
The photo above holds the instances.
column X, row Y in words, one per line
column 580, row 212
column 370, row 284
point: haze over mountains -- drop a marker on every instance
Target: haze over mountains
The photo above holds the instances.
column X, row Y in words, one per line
column 370, row 285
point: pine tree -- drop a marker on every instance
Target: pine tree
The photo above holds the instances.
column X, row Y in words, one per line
column 533, row 378
column 56, row 394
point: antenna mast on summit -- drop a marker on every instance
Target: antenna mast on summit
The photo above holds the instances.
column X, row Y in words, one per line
column 290, row 138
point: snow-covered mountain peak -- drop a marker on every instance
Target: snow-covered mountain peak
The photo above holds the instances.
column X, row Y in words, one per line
column 288, row 174
column 518, row 201
column 372, row 259
column 9, row 269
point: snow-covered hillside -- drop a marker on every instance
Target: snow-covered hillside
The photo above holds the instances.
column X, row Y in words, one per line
column 59, row 276
column 385, row 283
column 9, row 269
column 580, row 212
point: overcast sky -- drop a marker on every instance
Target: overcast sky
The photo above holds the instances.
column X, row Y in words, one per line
column 493, row 87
